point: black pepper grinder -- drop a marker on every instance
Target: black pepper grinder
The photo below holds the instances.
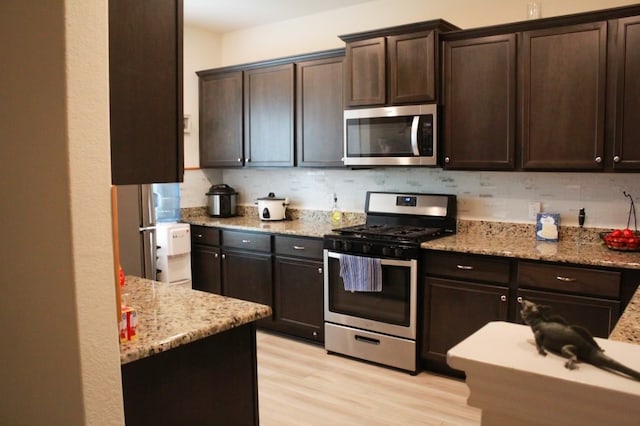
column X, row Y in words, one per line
column 581, row 217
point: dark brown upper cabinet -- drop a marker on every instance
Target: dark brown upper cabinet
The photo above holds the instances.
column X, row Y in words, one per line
column 268, row 116
column 145, row 90
column 576, row 94
column 221, row 121
column 564, row 97
column 480, row 103
column 393, row 66
column 626, row 137
column 319, row 112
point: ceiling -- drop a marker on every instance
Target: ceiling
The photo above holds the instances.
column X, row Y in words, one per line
column 230, row 15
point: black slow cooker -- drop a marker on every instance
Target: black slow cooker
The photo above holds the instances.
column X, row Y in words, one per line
column 221, row 200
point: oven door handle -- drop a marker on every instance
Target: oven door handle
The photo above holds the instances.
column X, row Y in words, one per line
column 383, row 261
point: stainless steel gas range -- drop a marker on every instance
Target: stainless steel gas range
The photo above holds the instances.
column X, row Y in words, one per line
column 371, row 276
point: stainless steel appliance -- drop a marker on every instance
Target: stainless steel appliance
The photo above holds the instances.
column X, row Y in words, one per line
column 391, row 136
column 381, row 326
column 221, row 200
column 137, row 230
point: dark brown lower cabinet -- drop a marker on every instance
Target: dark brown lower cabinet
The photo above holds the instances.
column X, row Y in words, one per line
column 298, row 306
column 247, row 276
column 212, row 381
column 453, row 311
column 205, row 269
column 599, row 316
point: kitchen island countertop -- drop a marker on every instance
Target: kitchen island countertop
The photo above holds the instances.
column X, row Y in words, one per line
column 169, row 317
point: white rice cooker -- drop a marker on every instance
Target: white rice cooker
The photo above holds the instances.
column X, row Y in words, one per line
column 272, row 207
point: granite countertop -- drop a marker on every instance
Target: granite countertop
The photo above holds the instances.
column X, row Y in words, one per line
column 564, row 251
column 304, row 228
column 169, row 317
column 628, row 327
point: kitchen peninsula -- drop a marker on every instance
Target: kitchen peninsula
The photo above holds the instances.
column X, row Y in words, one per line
column 194, row 359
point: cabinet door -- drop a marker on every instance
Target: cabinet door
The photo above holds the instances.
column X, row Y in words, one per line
column 453, row 310
column 599, row 316
column 319, row 109
column 247, row 276
column 298, row 305
column 480, row 103
column 269, row 114
column 626, row 153
column 221, row 119
column 563, row 97
column 366, row 73
column 412, row 68
column 145, row 91
column 205, row 269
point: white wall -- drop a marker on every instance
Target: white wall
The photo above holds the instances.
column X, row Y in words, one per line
column 494, row 196
column 60, row 359
column 320, row 31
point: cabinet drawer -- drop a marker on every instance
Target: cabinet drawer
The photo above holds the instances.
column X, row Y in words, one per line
column 246, row 240
column 568, row 279
column 299, row 247
column 205, row 235
column 467, row 267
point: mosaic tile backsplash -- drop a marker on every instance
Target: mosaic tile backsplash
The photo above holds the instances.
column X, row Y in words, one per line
column 482, row 196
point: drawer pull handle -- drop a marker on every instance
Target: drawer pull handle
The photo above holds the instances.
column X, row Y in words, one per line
column 199, row 235
column 519, row 299
column 503, row 298
column 246, row 241
column 215, row 255
column 367, row 340
column 298, row 247
column 565, row 279
column 465, row 267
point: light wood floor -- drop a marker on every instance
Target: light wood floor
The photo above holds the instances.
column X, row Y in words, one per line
column 300, row 384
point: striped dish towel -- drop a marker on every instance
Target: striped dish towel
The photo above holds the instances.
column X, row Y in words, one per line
column 360, row 273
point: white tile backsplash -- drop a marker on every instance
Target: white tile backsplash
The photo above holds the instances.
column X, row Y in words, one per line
column 490, row 196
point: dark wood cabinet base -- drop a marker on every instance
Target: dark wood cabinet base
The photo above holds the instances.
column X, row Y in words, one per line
column 212, row 381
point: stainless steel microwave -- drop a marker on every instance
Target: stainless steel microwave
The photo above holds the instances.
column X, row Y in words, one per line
column 391, row 136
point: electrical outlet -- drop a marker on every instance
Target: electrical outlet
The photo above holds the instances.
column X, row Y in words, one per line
column 534, row 209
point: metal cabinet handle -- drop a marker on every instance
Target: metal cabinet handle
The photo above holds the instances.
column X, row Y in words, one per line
column 215, row 255
column 224, row 256
column 199, row 235
column 239, row 160
column 598, row 160
column 616, row 159
column 320, row 270
column 298, row 247
column 447, row 159
column 565, row 279
column 465, row 267
column 246, row 241
column 519, row 299
column 503, row 298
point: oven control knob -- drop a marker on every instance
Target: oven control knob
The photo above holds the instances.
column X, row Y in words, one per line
column 398, row 251
column 386, row 251
column 366, row 248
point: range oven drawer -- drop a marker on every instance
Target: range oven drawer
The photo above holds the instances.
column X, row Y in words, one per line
column 374, row 347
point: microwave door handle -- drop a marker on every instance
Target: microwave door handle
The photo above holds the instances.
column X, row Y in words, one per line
column 415, row 126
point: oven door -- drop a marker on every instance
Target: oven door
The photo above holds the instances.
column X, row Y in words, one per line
column 391, row 311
